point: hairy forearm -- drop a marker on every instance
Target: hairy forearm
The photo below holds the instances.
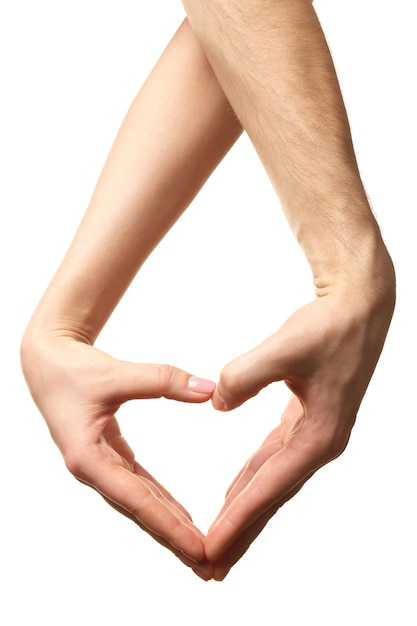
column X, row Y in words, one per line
column 177, row 130
column 273, row 62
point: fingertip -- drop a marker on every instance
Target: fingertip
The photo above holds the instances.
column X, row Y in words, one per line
column 201, row 575
column 218, row 402
column 214, row 546
column 201, row 385
column 220, row 573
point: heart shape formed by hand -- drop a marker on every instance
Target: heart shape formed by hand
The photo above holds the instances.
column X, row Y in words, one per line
column 79, row 390
column 246, row 509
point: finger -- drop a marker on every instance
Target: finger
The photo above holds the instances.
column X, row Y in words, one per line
column 129, row 381
column 204, row 569
column 234, row 552
column 143, row 501
column 239, row 547
column 273, row 482
column 247, row 473
column 245, row 376
column 270, row 446
column 114, row 438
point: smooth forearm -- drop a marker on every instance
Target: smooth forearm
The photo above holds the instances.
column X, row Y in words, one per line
column 177, row 130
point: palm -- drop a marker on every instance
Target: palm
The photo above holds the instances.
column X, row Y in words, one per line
column 326, row 359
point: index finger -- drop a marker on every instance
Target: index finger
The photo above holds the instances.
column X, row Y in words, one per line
column 237, row 549
column 144, row 500
column 271, row 485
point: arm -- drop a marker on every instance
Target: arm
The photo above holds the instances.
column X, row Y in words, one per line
column 177, row 130
column 273, row 63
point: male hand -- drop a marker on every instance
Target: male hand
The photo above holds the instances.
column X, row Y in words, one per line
column 326, row 353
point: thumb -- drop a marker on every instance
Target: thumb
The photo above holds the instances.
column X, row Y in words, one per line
column 135, row 381
column 245, row 376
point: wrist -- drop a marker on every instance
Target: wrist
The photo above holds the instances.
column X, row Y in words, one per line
column 45, row 333
column 359, row 267
column 76, row 309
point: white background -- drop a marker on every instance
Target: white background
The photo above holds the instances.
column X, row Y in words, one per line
column 344, row 550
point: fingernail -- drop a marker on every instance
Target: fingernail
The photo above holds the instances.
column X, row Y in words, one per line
column 219, row 403
column 201, row 385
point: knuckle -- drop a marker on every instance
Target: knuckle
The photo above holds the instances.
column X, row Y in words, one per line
column 338, row 444
column 75, row 461
column 230, row 383
column 166, row 377
column 330, row 442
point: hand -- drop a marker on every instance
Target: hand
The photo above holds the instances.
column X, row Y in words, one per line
column 79, row 389
column 326, row 353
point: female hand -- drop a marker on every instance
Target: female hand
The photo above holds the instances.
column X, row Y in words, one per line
column 78, row 390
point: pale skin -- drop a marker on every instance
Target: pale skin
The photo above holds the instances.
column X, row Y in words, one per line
column 270, row 68
column 177, row 130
